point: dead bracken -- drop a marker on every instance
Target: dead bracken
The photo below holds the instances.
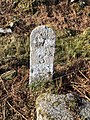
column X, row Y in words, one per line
column 72, row 55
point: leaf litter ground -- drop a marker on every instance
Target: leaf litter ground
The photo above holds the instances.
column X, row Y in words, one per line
column 17, row 101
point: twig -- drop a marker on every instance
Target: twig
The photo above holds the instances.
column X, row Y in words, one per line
column 24, row 78
column 81, row 93
column 5, row 98
column 16, row 111
column 3, row 111
column 76, row 83
column 70, row 73
column 3, row 85
column 87, row 98
column 84, row 70
column 83, row 75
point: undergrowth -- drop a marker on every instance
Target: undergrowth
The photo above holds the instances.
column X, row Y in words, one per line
column 70, row 48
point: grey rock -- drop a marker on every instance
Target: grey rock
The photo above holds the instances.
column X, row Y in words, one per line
column 2, row 30
column 62, row 107
column 85, row 110
column 11, row 24
column 54, row 107
column 42, row 48
column 6, row 30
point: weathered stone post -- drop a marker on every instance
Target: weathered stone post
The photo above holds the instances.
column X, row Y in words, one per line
column 42, row 48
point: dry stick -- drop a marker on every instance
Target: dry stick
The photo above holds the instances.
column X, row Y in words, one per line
column 87, row 88
column 87, row 98
column 4, row 102
column 3, row 85
column 8, row 102
column 83, row 75
column 76, row 83
column 16, row 111
column 85, row 70
column 70, row 73
column 81, row 93
column 24, row 79
column 60, row 84
column 64, row 75
column 79, row 78
column 8, row 95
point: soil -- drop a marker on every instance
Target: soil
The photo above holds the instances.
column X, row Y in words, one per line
column 17, row 100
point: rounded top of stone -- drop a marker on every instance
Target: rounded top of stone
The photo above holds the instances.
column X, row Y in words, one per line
column 43, row 29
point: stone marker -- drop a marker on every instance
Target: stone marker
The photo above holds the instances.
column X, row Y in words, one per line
column 42, row 48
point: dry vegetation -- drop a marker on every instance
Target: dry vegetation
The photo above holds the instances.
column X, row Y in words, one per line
column 72, row 57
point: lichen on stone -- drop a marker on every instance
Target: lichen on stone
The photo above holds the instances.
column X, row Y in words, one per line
column 51, row 106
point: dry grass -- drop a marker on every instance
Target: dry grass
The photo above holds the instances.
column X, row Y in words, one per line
column 17, row 100
column 72, row 57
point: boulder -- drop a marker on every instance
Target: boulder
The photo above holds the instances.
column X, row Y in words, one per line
column 84, row 110
column 55, row 107
column 62, row 107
